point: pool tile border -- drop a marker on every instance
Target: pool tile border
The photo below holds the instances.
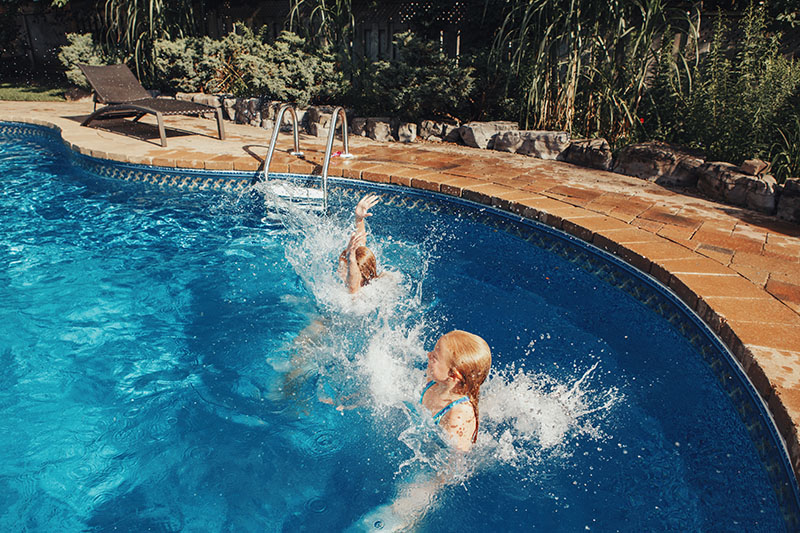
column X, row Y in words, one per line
column 634, row 247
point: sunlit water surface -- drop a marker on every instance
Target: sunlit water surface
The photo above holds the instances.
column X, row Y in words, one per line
column 172, row 361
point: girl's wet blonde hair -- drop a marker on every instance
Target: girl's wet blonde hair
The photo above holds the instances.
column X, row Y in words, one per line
column 367, row 264
column 470, row 358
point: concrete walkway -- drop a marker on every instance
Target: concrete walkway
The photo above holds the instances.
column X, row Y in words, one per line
column 739, row 270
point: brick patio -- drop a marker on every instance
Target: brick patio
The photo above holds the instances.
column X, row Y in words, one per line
column 739, row 270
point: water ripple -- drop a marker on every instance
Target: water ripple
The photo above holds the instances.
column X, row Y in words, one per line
column 321, row 444
column 316, row 505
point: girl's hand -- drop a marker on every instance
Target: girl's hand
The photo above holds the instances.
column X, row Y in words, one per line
column 365, row 204
column 359, row 238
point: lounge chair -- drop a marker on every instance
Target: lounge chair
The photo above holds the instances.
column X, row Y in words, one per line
column 116, row 86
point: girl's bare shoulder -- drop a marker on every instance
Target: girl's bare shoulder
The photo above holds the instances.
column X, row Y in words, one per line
column 459, row 423
column 461, row 414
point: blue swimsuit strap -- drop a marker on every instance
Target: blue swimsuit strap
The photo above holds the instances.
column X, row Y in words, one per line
column 438, row 416
column 428, row 386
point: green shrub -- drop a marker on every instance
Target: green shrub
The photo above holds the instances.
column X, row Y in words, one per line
column 174, row 64
column 740, row 100
column 82, row 49
column 421, row 83
column 492, row 97
column 285, row 71
column 737, row 102
column 786, row 151
column 243, row 64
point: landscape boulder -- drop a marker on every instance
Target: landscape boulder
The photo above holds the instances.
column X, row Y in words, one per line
column 319, row 120
column 320, row 114
column 541, row 144
column 592, row 153
column 762, row 195
column 724, row 181
column 318, row 130
column 482, row 134
column 379, row 129
column 789, row 201
column 248, row 111
column 269, row 109
column 229, row 108
column 429, row 129
column 206, row 99
column 451, row 133
column 358, row 127
column 406, row 132
column 754, row 167
column 659, row 162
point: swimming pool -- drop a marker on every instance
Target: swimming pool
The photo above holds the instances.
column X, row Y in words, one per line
column 158, row 369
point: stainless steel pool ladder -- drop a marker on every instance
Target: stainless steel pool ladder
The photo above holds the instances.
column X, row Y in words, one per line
column 275, row 130
column 337, row 112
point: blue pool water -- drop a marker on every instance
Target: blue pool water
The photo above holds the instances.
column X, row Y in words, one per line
column 168, row 361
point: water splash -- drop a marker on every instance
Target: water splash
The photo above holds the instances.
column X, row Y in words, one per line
column 528, row 417
column 374, row 348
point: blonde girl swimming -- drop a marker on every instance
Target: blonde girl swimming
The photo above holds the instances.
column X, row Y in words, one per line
column 457, row 367
column 357, row 264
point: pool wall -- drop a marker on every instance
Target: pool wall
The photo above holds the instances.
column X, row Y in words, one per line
column 534, row 222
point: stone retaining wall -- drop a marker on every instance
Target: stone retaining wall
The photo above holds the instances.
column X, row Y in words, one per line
column 749, row 185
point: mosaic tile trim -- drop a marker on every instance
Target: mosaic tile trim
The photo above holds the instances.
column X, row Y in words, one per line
column 17, row 130
column 192, row 180
column 606, row 267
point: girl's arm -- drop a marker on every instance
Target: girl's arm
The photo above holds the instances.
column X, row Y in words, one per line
column 353, row 279
column 362, row 211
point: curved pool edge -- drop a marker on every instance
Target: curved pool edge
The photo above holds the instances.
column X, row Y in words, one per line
column 766, row 355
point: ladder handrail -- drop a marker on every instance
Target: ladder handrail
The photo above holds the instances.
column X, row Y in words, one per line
column 337, row 112
column 275, row 130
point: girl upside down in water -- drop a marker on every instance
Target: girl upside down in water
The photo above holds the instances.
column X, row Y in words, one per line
column 357, row 264
column 357, row 267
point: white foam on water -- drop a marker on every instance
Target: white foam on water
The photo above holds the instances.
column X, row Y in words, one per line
column 388, row 365
column 527, row 417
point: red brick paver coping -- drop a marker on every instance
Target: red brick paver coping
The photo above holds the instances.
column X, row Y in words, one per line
column 739, row 270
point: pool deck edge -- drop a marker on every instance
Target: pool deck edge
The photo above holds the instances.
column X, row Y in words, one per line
column 738, row 270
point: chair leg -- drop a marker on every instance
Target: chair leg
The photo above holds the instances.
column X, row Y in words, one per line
column 139, row 116
column 161, row 132
column 220, row 126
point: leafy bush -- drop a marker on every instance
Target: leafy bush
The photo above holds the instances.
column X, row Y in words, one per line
column 285, row 71
column 82, row 49
column 174, row 64
column 786, row 151
column 735, row 103
column 739, row 100
column 492, row 95
column 421, row 83
column 243, row 64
